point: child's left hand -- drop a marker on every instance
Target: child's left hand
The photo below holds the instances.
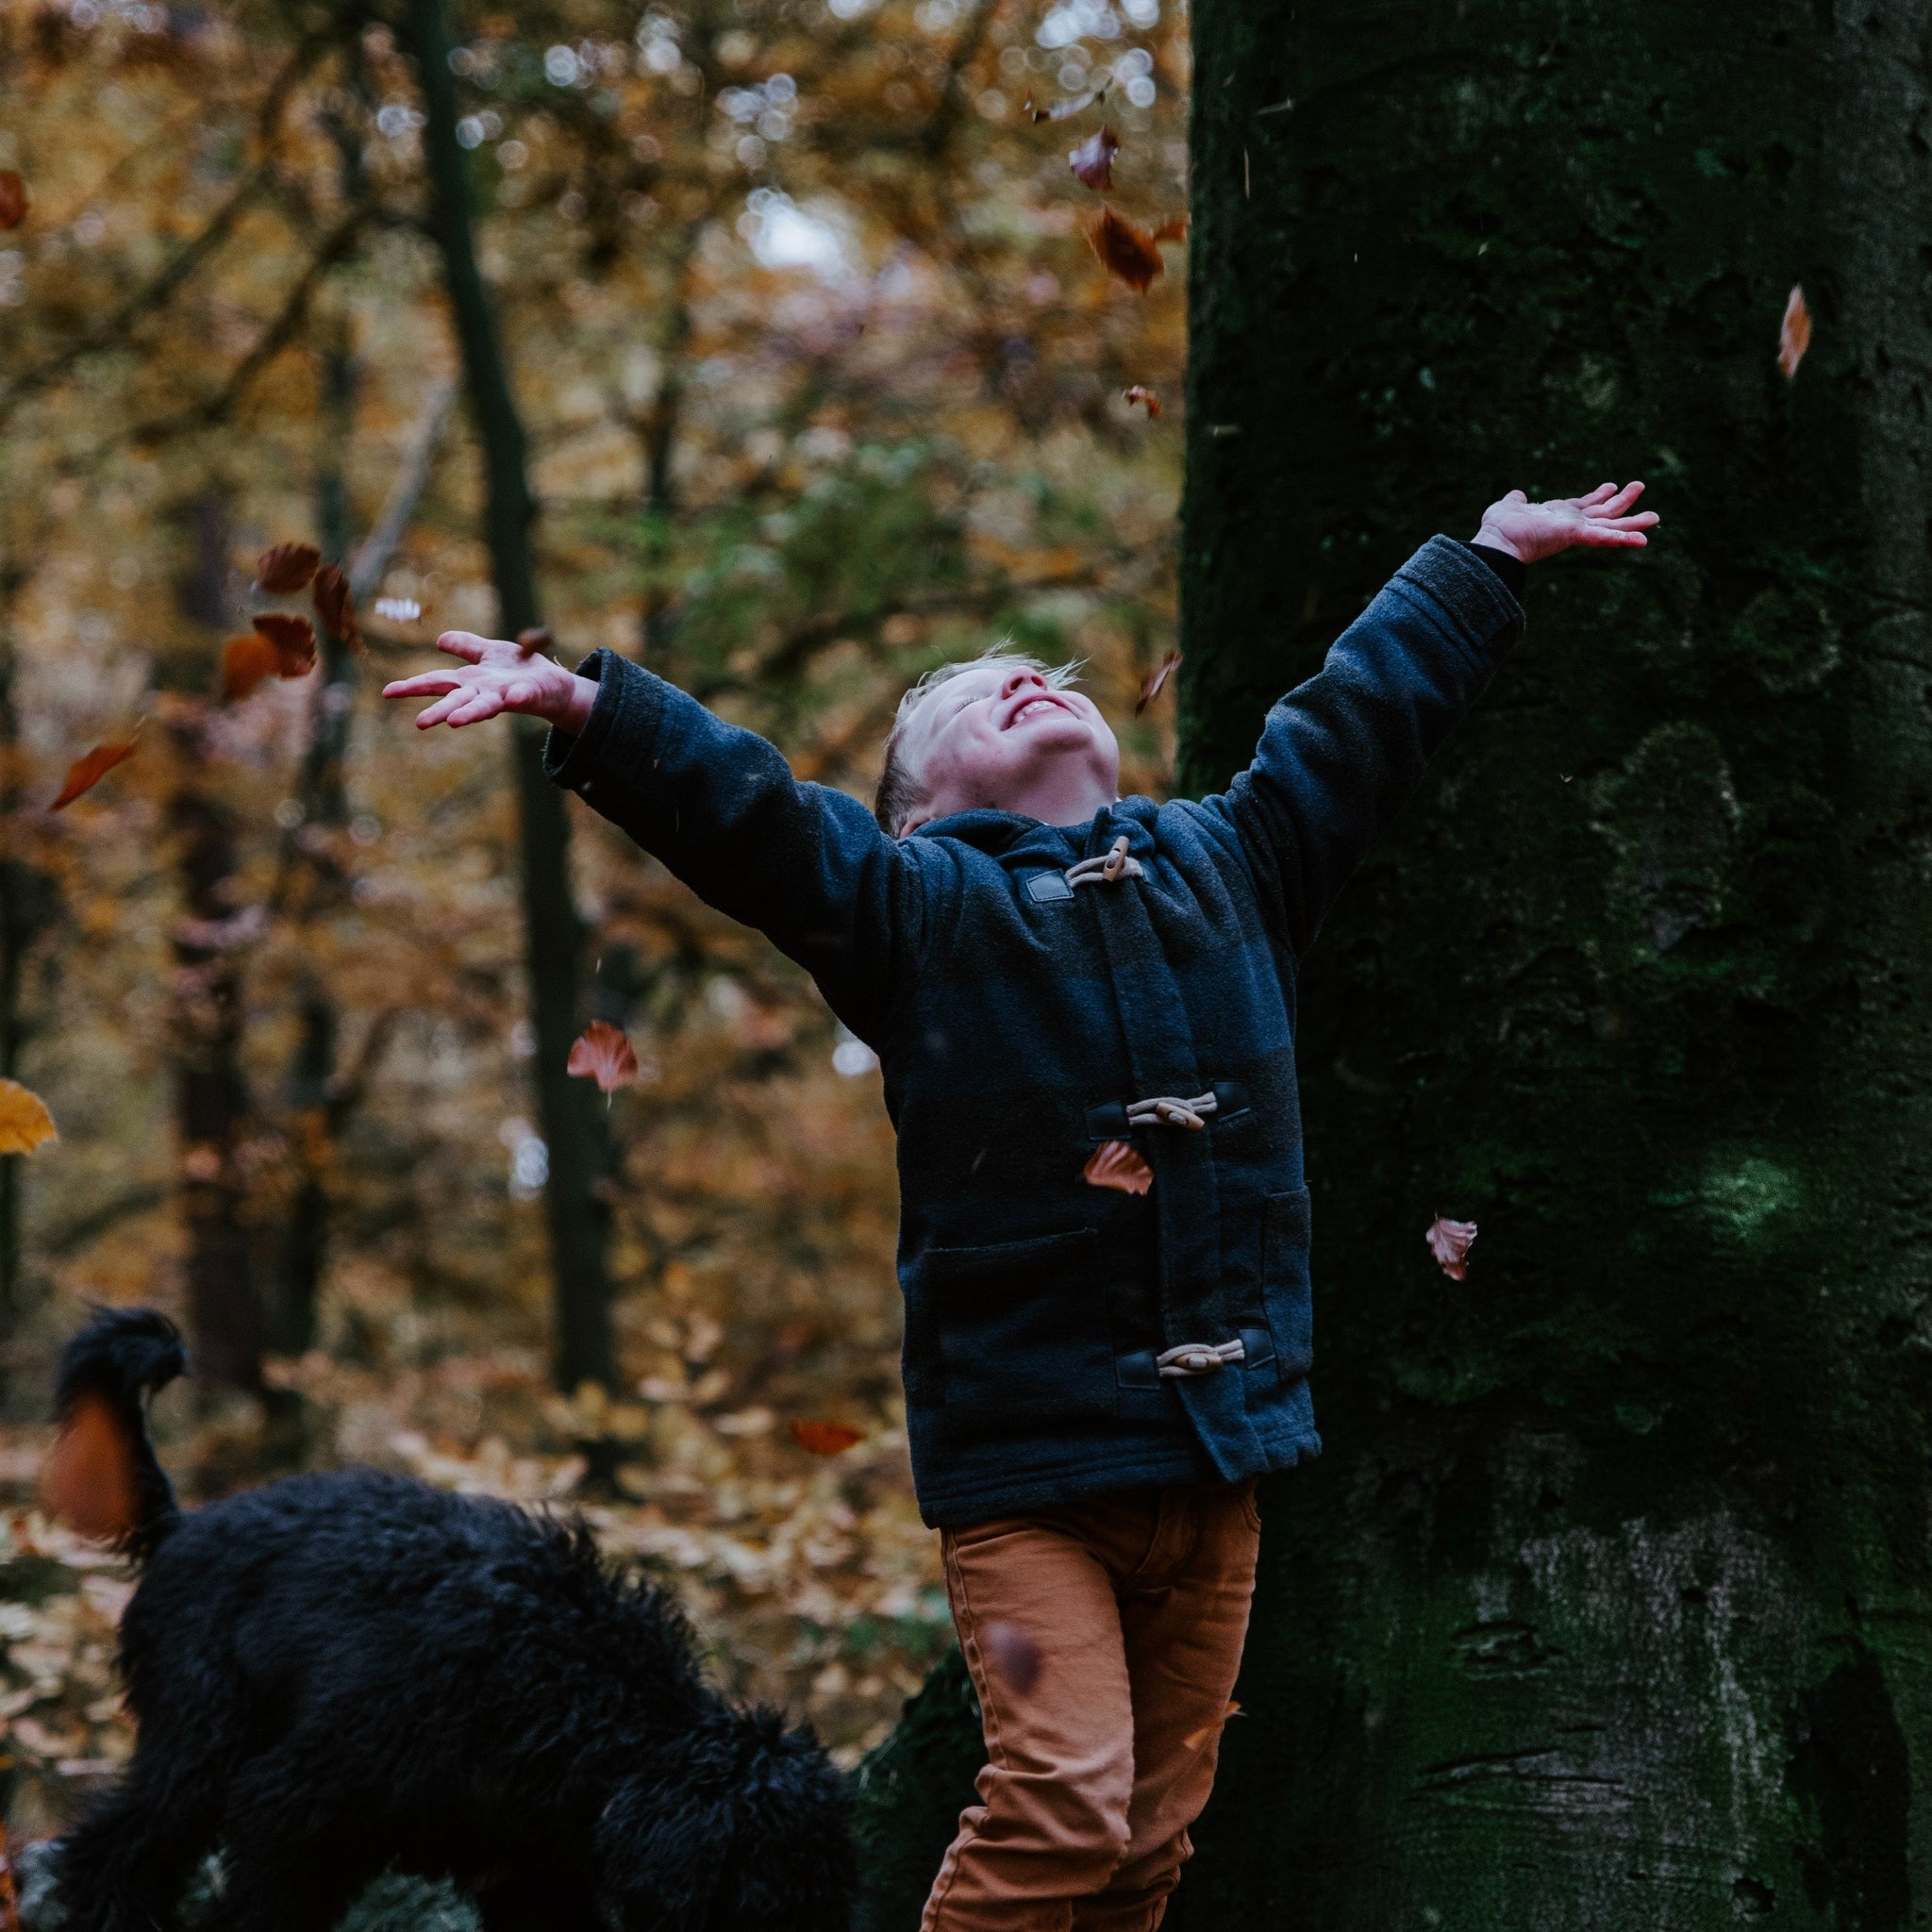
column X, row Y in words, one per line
column 1529, row 531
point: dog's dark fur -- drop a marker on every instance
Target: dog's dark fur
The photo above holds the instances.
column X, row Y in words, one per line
column 339, row 1674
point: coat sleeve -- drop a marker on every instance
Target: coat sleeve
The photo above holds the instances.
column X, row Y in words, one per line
column 1341, row 754
column 805, row 864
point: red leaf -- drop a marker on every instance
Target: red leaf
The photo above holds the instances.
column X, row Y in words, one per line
column 1195, row 1740
column 12, row 199
column 602, row 1054
column 86, row 773
column 294, row 639
column 247, row 662
column 88, row 1478
column 1449, row 1242
column 1093, row 161
column 824, row 1439
column 1174, row 229
column 287, row 568
column 1125, row 250
column 1150, row 684
column 335, row 606
column 1794, row 334
column 1061, row 110
column 1013, row 1653
column 1114, row 1164
column 532, row 640
column 1144, row 395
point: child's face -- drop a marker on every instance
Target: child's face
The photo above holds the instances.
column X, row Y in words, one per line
column 1004, row 737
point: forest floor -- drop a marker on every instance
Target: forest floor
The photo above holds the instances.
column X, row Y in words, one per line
column 810, row 1580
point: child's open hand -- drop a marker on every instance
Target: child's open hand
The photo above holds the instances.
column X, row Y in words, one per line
column 1529, row 531
column 501, row 677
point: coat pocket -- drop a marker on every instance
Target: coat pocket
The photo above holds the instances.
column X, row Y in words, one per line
column 1285, row 1230
column 1020, row 1329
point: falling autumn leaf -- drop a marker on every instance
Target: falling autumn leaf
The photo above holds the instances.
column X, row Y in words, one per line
column 1150, row 684
column 1093, row 161
column 1174, row 229
column 1449, row 1243
column 824, row 1439
column 1195, row 1740
column 294, row 639
column 1114, row 1164
column 247, row 662
column 1125, row 251
column 532, row 640
column 1140, row 393
column 1014, row 1653
column 12, row 199
column 25, row 1122
column 602, row 1054
column 335, row 606
column 287, row 568
column 87, row 772
column 88, row 1478
column 1794, row 334
column 1063, row 111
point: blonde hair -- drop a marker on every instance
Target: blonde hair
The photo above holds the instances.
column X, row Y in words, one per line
column 899, row 786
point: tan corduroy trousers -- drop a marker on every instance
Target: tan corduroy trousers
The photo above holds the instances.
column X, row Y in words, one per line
column 1103, row 1639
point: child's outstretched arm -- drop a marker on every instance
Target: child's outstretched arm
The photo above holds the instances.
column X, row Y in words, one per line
column 803, row 863
column 1341, row 753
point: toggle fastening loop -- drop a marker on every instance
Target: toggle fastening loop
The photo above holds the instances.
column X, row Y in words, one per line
column 1199, row 1358
column 1108, row 870
column 1167, row 1111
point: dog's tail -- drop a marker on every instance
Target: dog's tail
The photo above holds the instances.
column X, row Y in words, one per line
column 101, row 1476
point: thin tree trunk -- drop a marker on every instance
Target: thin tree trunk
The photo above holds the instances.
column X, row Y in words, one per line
column 23, row 888
column 573, row 1128
column 1609, row 1603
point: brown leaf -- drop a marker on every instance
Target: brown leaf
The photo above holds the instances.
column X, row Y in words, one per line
column 1125, row 250
column 824, row 1439
column 1195, row 1740
column 602, row 1054
column 88, row 1478
column 1062, row 111
column 294, row 639
column 12, row 199
column 1794, row 334
column 1150, row 684
column 25, row 1122
column 1014, row 1653
column 1093, row 161
column 1114, row 1164
column 247, row 662
column 287, row 568
column 1140, row 393
column 335, row 606
column 532, row 640
column 87, row 772
column 1174, row 229
column 1449, row 1242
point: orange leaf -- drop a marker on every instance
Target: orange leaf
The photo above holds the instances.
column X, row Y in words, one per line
column 1114, row 1164
column 602, row 1054
column 294, row 639
column 1794, row 334
column 1125, row 250
column 25, row 1122
column 1093, row 161
column 247, row 662
column 86, row 773
column 88, row 1478
column 824, row 1439
column 1144, row 395
column 335, row 606
column 1150, row 684
column 1014, row 1653
column 1174, row 229
column 1195, row 1740
column 12, row 199
column 1449, row 1243
column 287, row 568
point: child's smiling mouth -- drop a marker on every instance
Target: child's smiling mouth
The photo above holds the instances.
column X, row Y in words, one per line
column 1032, row 704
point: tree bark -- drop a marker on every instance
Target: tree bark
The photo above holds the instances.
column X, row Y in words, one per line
column 570, row 1112
column 1608, row 1604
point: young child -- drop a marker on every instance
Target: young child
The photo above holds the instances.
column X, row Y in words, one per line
column 1093, row 1378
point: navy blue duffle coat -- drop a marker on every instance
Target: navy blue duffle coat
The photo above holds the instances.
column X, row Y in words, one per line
column 1017, row 1019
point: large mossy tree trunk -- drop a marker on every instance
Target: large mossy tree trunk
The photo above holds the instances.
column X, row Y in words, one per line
column 1610, row 1602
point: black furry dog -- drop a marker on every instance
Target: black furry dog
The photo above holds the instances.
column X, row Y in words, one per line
column 340, row 1674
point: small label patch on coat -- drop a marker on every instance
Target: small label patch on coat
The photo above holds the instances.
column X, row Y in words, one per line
column 1045, row 887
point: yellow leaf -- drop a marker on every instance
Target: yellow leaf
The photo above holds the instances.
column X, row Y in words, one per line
column 25, row 1122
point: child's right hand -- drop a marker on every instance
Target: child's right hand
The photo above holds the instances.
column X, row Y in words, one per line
column 501, row 677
